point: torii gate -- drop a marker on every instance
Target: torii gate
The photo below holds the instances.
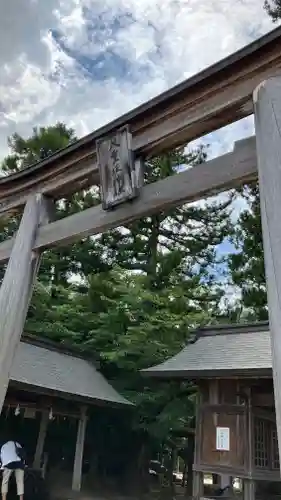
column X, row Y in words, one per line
column 228, row 91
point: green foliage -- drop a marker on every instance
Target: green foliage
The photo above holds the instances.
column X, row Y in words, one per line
column 131, row 327
column 43, row 142
column 273, row 8
column 132, row 295
column 185, row 236
column 61, row 263
column 247, row 265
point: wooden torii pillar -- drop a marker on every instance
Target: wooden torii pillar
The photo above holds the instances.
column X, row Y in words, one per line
column 121, row 179
column 17, row 285
column 267, row 104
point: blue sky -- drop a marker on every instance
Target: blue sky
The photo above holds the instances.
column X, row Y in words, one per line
column 85, row 62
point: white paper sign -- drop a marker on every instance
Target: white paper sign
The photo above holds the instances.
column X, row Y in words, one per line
column 222, row 439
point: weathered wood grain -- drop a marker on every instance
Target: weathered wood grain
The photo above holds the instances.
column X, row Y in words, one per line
column 203, row 180
column 209, row 100
column 79, row 173
column 249, row 483
column 197, row 480
column 118, row 179
column 79, row 451
column 16, row 288
column 41, row 439
column 267, row 101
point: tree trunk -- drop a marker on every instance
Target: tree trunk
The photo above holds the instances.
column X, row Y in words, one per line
column 153, row 248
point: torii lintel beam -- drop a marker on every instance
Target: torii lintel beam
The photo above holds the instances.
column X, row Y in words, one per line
column 210, row 178
column 215, row 97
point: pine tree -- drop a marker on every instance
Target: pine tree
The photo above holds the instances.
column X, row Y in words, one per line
column 247, row 265
column 185, row 237
column 140, row 289
column 130, row 327
column 59, row 264
column 273, row 8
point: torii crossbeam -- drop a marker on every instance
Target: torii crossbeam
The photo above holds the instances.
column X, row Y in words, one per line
column 246, row 82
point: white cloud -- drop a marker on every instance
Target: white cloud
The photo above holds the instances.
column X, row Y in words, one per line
column 158, row 44
column 223, row 140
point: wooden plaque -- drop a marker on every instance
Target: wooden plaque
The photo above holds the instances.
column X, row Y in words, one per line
column 120, row 176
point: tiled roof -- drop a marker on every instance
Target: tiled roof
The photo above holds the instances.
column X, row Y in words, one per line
column 239, row 349
column 67, row 375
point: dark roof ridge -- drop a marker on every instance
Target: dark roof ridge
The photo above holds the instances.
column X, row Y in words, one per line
column 51, row 345
column 230, row 328
column 214, row 351
column 227, row 329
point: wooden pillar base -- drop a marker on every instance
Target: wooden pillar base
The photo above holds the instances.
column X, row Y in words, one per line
column 225, row 481
column 249, row 489
column 79, row 450
column 41, row 440
column 198, row 485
